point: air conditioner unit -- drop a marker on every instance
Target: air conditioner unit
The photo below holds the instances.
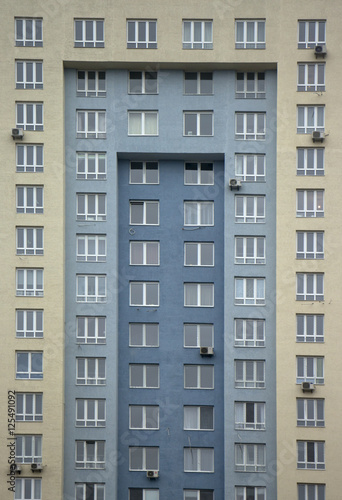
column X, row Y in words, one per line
column 152, row 474
column 206, row 351
column 318, row 136
column 16, row 468
column 36, row 467
column 308, row 387
column 320, row 50
column 17, row 133
column 234, row 184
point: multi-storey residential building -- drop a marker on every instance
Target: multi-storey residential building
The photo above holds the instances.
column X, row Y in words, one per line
column 169, row 250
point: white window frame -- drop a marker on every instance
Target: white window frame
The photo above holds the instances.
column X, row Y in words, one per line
column 250, row 85
column 250, row 167
column 197, row 335
column 199, row 299
column 250, row 250
column 198, row 77
column 99, row 287
column 91, row 329
column 304, row 451
column 31, row 32
column 244, row 493
column 94, row 247
column 145, row 287
column 85, row 199
column 148, row 371
column 244, row 420
column 310, row 369
column 97, row 88
column 253, row 291
column 145, row 205
column 144, row 493
column 96, row 26
column 310, row 412
column 84, row 458
column 200, row 372
column 31, row 406
column 143, row 128
column 94, row 371
column 29, row 158
column 26, row 485
column 29, row 323
column 147, row 462
column 310, row 119
column 310, row 286
column 305, row 38
column 197, row 209
column 190, row 39
column 198, row 418
column 144, row 246
column 93, row 412
column 149, row 417
column 91, row 166
column 29, row 282
column 146, row 77
column 196, row 458
column 31, row 372
column 34, row 443
column 197, row 132
column 310, row 203
column 250, row 126
column 250, row 209
column 310, row 244
column 146, row 168
column 32, row 199
column 87, row 130
column 24, row 68
column 253, row 457
column 29, row 240
column 29, row 116
column 97, row 491
column 145, row 335
column 310, row 328
column 149, row 41
column 257, row 40
column 253, row 374
column 197, row 494
column 311, row 77
column 310, row 161
column 249, row 332
column 311, row 491
column 200, row 248
column 201, row 175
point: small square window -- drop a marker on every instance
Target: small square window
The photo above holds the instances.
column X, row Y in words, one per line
column 141, row 34
column 197, row 34
column 89, row 33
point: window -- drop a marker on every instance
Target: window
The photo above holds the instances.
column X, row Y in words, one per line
column 310, row 161
column 144, row 334
column 250, row 126
column 91, row 166
column 30, row 241
column 143, row 458
column 29, row 116
column 310, row 455
column 310, row 203
column 145, row 293
column 144, row 172
column 198, row 459
column 91, row 83
column 28, row 489
column 28, row 407
column 249, row 374
column 89, row 33
column 90, row 491
column 90, row 412
column 199, row 418
column 197, row 34
column 250, row 416
column 310, row 286
column 310, row 412
column 311, row 491
column 144, row 253
column 198, row 213
column 91, row 248
column 250, row 291
column 310, row 328
column 249, row 332
column 311, row 77
column 142, row 122
column 29, row 323
column 310, row 33
column 143, row 376
column 198, row 495
column 142, row 82
column 250, row 250
column 144, row 212
column 250, row 85
column 28, row 449
column 199, row 173
column 250, row 209
column 91, row 207
column 310, row 245
column 198, row 377
column 143, row 494
column 198, row 254
column 29, row 158
column 198, row 335
column 28, row 75
column 90, row 371
column 250, row 493
column 250, row 457
column 250, row 34
column 90, row 455
column 309, row 119
column 91, row 330
column 29, row 365
column 310, row 369
column 198, row 123
column 250, row 167
column 196, row 83
column 28, row 32
column 91, row 124
column 30, row 200
column 141, row 34
column 198, row 294
column 144, row 417
column 29, row 283
column 91, row 288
